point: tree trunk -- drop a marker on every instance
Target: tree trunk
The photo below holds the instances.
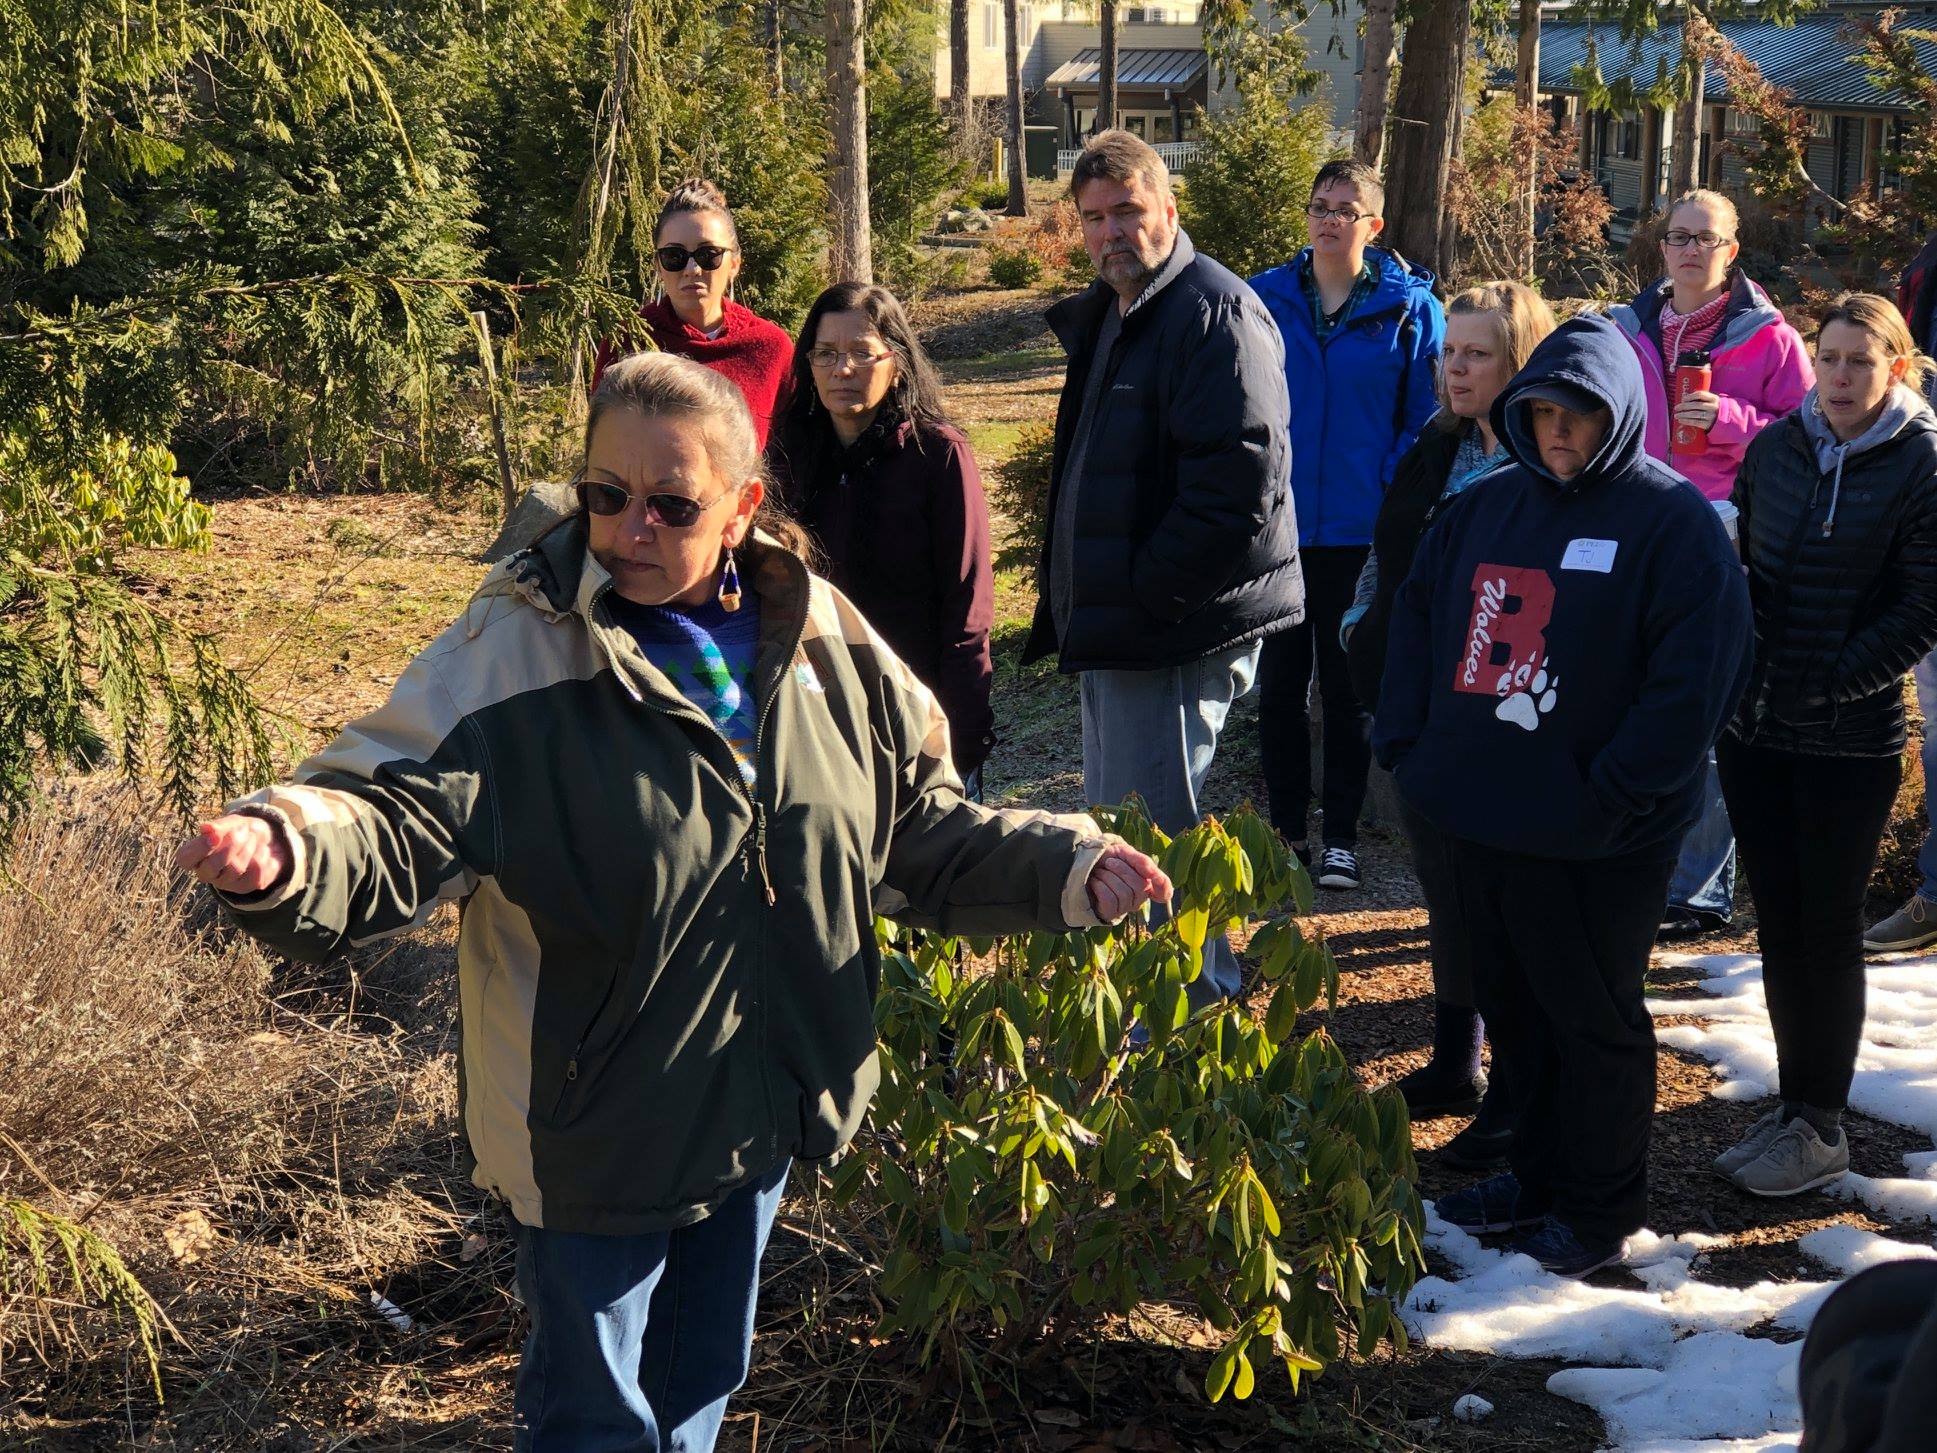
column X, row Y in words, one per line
column 1012, row 47
column 1432, row 90
column 1368, row 142
column 1687, row 153
column 959, row 100
column 776, row 37
column 1527, row 97
column 1448, row 242
column 1106, row 71
column 852, row 257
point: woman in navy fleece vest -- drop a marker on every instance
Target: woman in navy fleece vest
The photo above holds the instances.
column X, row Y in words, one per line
column 1571, row 639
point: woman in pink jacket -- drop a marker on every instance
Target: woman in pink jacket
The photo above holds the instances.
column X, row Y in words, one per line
column 1760, row 371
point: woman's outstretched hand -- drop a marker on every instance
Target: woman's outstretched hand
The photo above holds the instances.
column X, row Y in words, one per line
column 237, row 853
column 1123, row 880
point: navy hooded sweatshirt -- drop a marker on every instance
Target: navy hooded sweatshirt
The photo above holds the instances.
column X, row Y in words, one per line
column 1564, row 653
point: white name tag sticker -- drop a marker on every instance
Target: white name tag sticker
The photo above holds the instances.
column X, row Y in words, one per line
column 1589, row 555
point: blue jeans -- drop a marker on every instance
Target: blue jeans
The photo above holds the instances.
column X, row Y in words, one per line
column 1925, row 675
column 637, row 1341
column 1705, row 872
column 1155, row 733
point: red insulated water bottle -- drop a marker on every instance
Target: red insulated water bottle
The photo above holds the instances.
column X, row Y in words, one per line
column 1692, row 376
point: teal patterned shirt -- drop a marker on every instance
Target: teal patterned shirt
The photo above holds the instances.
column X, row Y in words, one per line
column 707, row 652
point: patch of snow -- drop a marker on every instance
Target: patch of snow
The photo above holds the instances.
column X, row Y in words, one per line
column 1711, row 1385
column 1891, row 1198
column 1669, row 1366
column 1850, row 1249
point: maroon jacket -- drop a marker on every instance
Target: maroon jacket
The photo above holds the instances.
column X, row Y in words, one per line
column 755, row 354
column 903, row 522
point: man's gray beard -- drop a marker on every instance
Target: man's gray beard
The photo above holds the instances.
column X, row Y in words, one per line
column 1138, row 281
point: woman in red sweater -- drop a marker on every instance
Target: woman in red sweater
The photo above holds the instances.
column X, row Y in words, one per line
column 696, row 256
column 865, row 457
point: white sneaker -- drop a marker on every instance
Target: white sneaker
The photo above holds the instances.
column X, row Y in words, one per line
column 1797, row 1160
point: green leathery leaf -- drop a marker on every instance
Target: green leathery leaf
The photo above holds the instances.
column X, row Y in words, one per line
column 1281, row 1017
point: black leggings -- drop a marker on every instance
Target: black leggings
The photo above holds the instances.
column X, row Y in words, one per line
column 1284, row 704
column 1807, row 829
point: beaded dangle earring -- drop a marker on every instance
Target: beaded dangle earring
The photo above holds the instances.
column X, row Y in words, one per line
column 730, row 583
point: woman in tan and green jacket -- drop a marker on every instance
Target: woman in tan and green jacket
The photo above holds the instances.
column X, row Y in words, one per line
column 671, row 776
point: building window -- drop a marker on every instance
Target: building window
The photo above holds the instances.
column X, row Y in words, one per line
column 991, row 27
column 1819, row 126
column 1162, row 130
column 1134, row 125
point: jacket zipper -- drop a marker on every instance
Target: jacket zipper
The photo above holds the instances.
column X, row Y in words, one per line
column 753, row 847
column 1798, row 539
column 754, row 852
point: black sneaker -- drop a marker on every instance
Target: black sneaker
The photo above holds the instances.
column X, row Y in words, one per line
column 1478, row 1148
column 1303, row 852
column 1430, row 1091
column 1489, row 1206
column 1338, row 868
column 1558, row 1250
column 1679, row 924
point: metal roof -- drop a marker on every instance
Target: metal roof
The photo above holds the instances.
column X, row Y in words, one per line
column 1815, row 59
column 1144, row 69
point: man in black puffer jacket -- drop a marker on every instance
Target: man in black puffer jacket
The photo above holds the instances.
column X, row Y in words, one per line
column 1172, row 549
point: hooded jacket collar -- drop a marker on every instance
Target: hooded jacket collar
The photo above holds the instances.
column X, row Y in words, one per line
column 1588, row 353
column 1749, row 311
column 558, row 576
column 1900, row 407
column 1398, row 281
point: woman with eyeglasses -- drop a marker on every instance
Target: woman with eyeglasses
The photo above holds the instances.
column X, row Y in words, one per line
column 866, row 458
column 1706, row 311
column 1362, row 333
column 670, row 776
column 695, row 258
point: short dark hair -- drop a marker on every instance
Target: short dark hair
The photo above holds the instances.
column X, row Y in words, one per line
column 1116, row 155
column 1355, row 173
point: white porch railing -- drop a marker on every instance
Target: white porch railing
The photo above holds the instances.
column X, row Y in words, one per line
column 1177, row 155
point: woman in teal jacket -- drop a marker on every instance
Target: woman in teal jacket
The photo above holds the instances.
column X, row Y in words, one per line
column 1362, row 334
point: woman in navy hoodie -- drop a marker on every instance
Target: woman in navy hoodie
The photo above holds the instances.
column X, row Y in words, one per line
column 1563, row 655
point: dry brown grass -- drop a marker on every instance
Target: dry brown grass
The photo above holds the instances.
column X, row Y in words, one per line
column 265, row 1147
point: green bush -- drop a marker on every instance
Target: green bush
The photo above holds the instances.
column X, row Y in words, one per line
column 1052, row 1166
column 1245, row 202
column 989, row 195
column 1014, row 267
column 1019, row 490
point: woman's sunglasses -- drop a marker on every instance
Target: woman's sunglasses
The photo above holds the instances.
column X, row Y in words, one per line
column 675, row 511
column 674, row 258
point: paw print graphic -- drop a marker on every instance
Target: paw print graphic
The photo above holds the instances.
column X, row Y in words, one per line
column 1525, row 707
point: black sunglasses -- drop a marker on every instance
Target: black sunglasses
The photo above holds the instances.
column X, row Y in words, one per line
column 675, row 511
column 674, row 258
